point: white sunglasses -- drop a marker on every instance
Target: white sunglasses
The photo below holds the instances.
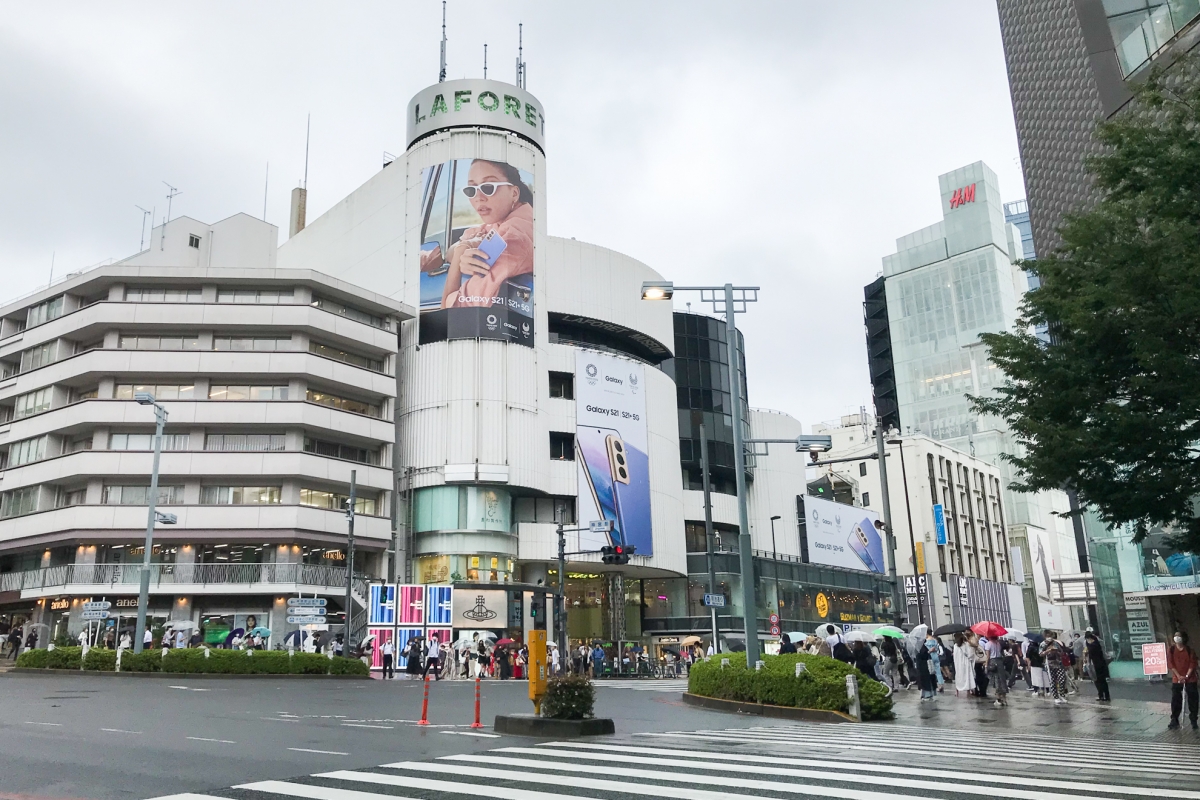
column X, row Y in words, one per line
column 488, row 188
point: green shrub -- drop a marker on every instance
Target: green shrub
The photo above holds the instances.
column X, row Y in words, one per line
column 187, row 659
column 33, row 659
column 266, row 662
column 347, row 666
column 569, row 697
column 149, row 660
column 99, row 659
column 823, row 686
column 309, row 664
column 64, row 658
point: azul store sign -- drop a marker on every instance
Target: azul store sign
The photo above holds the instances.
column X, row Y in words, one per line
column 474, row 102
column 963, row 196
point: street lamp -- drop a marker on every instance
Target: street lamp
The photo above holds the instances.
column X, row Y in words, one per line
column 733, row 300
column 911, row 537
column 160, row 419
column 775, row 556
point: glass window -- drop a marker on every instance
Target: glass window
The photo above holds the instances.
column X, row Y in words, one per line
column 19, row 501
column 562, row 384
column 34, row 402
column 261, row 296
column 344, row 403
column 139, row 495
column 245, row 442
column 239, row 495
column 76, row 497
column 262, row 344
column 350, row 312
column 336, row 502
column 39, row 356
column 162, row 295
column 562, row 446
column 344, row 451
column 337, row 354
column 145, row 441
column 227, row 392
column 126, row 391
column 27, row 451
column 168, row 342
column 45, row 311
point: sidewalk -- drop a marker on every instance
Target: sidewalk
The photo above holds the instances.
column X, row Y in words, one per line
column 1139, row 710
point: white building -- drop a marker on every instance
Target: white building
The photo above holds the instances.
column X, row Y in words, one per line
column 278, row 384
column 972, row 576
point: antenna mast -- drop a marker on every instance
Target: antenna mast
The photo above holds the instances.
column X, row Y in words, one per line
column 485, row 61
column 145, row 213
column 162, row 241
column 307, row 135
column 442, row 73
column 266, row 184
column 520, row 55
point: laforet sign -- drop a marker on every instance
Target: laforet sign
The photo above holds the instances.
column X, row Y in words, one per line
column 474, row 102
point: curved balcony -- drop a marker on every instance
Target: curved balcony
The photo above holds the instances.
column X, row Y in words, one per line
column 88, row 414
column 119, row 579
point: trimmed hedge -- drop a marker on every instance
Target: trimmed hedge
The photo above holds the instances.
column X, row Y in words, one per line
column 823, row 686
column 569, row 697
column 193, row 660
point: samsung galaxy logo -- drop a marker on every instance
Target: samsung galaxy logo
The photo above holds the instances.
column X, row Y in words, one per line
column 611, row 379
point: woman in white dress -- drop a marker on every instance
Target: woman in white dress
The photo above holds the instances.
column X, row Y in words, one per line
column 965, row 656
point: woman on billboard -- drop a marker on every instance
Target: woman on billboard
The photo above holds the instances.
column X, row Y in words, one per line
column 498, row 250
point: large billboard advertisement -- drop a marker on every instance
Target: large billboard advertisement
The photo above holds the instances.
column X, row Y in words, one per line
column 611, row 450
column 476, row 252
column 843, row 536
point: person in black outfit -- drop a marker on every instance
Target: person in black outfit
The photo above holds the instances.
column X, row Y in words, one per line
column 1095, row 657
column 786, row 645
column 864, row 660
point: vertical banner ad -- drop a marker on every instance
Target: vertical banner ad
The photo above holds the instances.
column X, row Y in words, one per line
column 843, row 536
column 611, row 451
column 476, row 252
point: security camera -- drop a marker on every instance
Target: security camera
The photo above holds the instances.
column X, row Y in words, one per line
column 814, row 456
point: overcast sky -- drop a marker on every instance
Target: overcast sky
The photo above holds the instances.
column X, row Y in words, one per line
column 779, row 144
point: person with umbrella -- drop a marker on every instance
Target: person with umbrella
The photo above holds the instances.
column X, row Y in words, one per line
column 935, row 660
column 965, row 658
column 1182, row 663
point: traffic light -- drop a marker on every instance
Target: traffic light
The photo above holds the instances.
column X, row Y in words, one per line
column 607, row 555
column 617, row 554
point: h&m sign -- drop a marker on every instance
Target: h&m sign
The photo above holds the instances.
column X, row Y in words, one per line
column 962, row 196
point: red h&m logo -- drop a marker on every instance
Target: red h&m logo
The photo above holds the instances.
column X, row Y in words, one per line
column 964, row 195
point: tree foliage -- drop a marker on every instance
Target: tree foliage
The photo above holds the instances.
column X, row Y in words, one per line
column 1111, row 405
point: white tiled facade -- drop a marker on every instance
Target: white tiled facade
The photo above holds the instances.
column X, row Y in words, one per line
column 278, row 383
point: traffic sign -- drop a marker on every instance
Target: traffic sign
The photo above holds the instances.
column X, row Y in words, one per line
column 305, row 610
column 714, row 600
column 97, row 605
column 600, row 526
column 97, row 614
column 306, row 620
column 307, row 601
column 774, row 630
column 774, row 619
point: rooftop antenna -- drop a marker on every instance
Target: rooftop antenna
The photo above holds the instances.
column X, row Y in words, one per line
column 145, row 213
column 170, row 196
column 520, row 55
column 485, row 61
column 307, row 137
column 442, row 73
column 52, row 255
column 266, row 183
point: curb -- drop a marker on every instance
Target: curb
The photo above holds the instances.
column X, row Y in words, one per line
column 544, row 727
column 189, row 675
column 766, row 710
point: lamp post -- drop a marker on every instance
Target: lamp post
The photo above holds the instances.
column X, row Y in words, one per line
column 350, row 503
column 708, row 534
column 775, row 561
column 160, row 419
column 912, row 540
column 881, row 456
column 731, row 299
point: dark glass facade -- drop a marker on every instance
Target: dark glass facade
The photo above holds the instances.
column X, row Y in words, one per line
column 701, row 374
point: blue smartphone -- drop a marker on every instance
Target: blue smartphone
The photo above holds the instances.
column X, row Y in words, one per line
column 631, row 468
column 865, row 542
column 594, row 449
column 492, row 246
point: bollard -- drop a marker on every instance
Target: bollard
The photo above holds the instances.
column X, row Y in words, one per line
column 801, row 667
column 758, row 665
column 425, row 705
column 724, row 663
column 476, row 723
column 855, row 706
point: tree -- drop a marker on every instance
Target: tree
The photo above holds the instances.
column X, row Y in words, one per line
column 1110, row 406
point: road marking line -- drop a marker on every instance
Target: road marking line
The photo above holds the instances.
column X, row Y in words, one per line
column 358, row 725
column 473, row 733
column 118, row 730
column 55, row 724
column 218, row 741
column 322, row 752
column 321, row 792
column 449, row 787
column 278, row 719
column 187, row 796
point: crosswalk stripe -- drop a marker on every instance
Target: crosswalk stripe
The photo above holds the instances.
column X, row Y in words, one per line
column 1063, row 746
column 925, row 752
column 754, row 783
column 470, row 789
column 311, row 792
column 188, row 796
column 689, row 760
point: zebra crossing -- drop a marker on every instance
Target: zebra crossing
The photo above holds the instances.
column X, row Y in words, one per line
column 646, row 685
column 756, row 763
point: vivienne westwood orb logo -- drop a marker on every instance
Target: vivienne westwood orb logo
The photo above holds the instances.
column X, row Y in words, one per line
column 479, row 612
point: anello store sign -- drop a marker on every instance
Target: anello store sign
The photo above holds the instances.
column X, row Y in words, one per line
column 474, row 102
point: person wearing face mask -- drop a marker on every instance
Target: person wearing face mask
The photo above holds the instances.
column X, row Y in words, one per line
column 1052, row 652
column 1093, row 654
column 1181, row 663
column 504, row 205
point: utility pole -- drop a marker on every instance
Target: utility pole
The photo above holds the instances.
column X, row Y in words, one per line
column 350, row 553
column 912, row 540
column 887, row 518
column 160, row 419
column 708, row 534
column 560, row 611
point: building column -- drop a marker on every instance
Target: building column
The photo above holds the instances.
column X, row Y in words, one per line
column 616, row 606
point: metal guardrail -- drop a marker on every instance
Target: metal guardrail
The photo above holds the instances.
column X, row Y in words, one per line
column 68, row 575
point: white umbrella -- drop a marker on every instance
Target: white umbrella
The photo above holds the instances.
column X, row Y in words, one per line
column 824, row 632
column 919, row 631
column 859, row 636
column 180, row 624
column 1015, row 634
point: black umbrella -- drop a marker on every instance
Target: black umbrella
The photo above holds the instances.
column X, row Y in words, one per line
column 951, row 628
column 735, row 646
column 1036, row 638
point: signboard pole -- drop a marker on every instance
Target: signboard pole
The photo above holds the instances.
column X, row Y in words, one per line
column 912, row 537
column 887, row 519
column 350, row 552
column 708, row 534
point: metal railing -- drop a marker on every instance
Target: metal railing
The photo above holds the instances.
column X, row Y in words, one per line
column 124, row 575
